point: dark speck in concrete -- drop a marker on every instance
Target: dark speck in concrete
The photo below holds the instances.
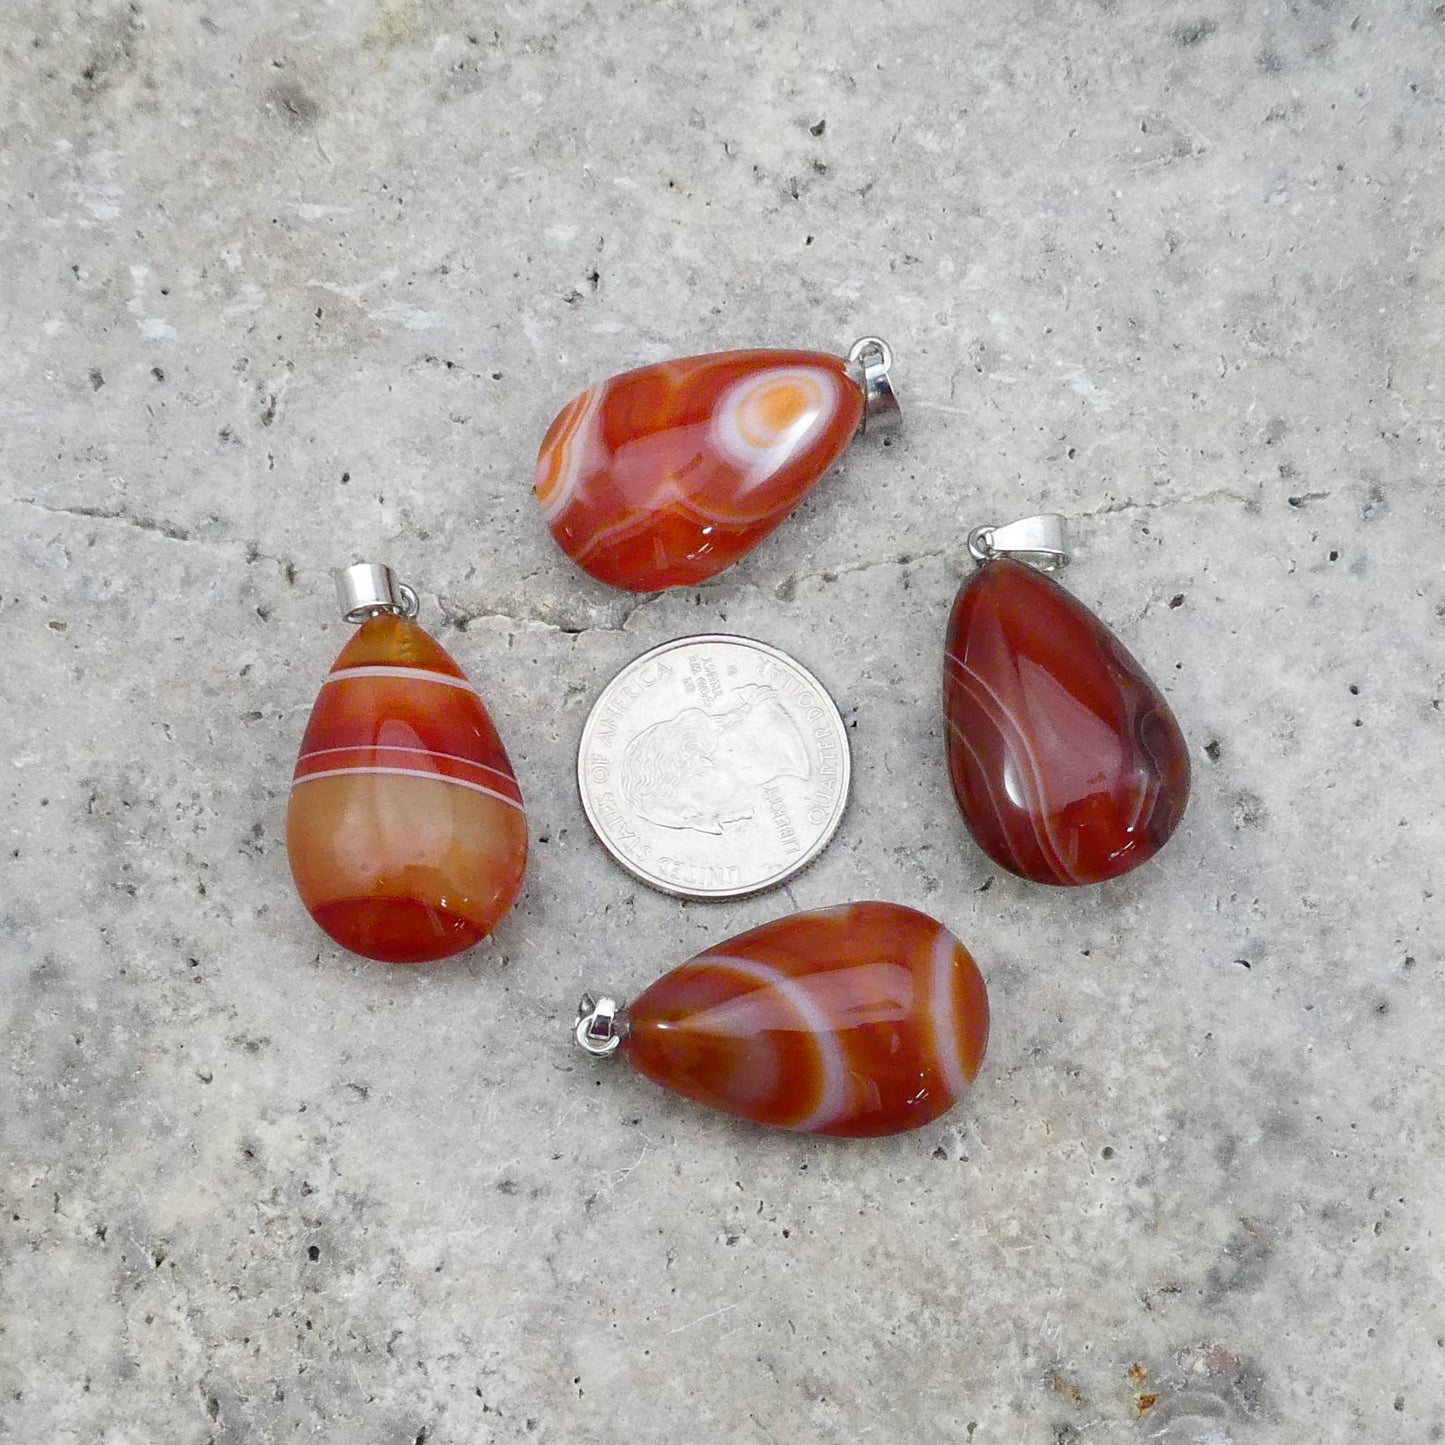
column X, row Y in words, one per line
column 1193, row 32
column 1244, row 1262
column 114, row 52
column 287, row 100
column 1248, row 810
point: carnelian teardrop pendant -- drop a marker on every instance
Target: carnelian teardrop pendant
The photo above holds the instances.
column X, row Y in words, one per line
column 664, row 476
column 861, row 1020
column 405, row 829
column 1067, row 763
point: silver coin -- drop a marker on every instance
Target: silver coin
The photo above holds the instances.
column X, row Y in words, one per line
column 714, row 767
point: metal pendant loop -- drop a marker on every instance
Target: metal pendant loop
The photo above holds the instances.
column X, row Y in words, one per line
column 1042, row 542
column 870, row 359
column 599, row 1029
column 368, row 588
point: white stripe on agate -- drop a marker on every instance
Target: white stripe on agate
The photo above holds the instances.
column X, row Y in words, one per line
column 1139, row 802
column 1147, row 795
column 632, row 523
column 411, row 674
column 668, row 495
column 1048, row 843
column 1004, row 720
column 391, row 748
column 569, row 454
column 409, row 773
column 830, row 1052
column 944, row 1013
column 760, row 463
column 985, row 775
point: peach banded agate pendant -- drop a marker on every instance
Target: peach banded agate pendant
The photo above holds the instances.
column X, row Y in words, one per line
column 1066, row 761
column 664, row 476
column 855, row 1021
column 405, row 828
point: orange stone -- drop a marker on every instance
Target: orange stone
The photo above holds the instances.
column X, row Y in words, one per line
column 664, row 476
column 860, row 1020
column 405, row 829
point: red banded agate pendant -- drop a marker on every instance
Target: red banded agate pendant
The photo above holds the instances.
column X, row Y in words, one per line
column 664, row 476
column 405, row 829
column 1066, row 761
column 861, row 1020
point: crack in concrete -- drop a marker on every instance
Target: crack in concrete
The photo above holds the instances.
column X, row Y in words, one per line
column 462, row 618
column 1129, row 505
column 113, row 514
column 907, row 559
column 155, row 527
column 903, row 559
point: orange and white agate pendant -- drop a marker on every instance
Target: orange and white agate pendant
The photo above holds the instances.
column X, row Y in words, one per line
column 861, row 1020
column 664, row 476
column 405, row 828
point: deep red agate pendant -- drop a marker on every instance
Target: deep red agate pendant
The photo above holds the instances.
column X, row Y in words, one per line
column 854, row 1021
column 664, row 476
column 405, row 828
column 1066, row 760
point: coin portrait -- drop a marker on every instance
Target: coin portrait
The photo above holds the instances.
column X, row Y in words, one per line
column 713, row 767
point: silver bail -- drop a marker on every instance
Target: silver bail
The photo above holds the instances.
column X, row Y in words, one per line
column 1042, row 542
column 599, row 1030
column 367, row 588
column 869, row 361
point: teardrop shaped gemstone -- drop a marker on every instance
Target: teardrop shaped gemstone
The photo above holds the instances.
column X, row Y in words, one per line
column 663, row 476
column 1066, row 760
column 405, row 828
column 861, row 1020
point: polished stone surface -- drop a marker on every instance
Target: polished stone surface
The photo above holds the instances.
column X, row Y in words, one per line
column 405, row 830
column 287, row 287
column 1068, row 765
column 856, row 1021
column 667, row 475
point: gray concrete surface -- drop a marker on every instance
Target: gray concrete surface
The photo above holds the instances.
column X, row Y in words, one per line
column 288, row 285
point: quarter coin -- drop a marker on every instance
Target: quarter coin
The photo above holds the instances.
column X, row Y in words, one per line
column 714, row 767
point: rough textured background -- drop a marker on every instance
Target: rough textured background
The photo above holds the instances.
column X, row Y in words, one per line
column 290, row 285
